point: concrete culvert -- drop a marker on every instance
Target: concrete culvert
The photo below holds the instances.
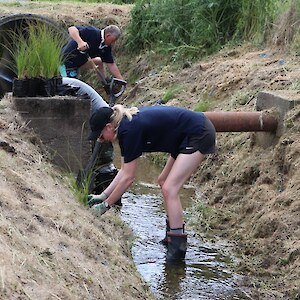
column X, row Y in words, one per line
column 13, row 24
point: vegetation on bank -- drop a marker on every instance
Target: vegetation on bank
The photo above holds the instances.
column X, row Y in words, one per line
column 191, row 29
column 93, row 1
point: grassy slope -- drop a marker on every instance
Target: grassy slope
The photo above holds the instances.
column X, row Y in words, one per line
column 51, row 246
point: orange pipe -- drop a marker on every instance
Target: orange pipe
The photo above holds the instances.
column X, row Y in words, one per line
column 242, row 121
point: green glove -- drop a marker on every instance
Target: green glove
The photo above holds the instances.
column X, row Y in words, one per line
column 101, row 208
column 96, row 199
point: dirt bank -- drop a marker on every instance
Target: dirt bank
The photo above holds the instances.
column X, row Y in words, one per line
column 253, row 190
column 51, row 246
column 67, row 13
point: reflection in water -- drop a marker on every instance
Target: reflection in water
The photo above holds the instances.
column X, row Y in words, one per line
column 204, row 275
column 174, row 275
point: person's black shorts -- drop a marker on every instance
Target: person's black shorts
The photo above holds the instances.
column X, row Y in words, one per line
column 205, row 143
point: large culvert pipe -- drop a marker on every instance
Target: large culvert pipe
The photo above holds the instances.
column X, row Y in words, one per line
column 9, row 25
column 243, row 121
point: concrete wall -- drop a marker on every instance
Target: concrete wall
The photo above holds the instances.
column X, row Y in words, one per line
column 281, row 101
column 62, row 124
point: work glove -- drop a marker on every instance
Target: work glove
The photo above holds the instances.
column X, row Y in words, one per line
column 100, row 209
column 96, row 199
column 84, row 48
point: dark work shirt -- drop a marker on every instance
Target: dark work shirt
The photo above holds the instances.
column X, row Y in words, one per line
column 92, row 35
column 158, row 129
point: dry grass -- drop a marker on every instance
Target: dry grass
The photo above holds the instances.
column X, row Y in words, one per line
column 51, row 246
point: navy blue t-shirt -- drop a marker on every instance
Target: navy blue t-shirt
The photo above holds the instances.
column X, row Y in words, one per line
column 92, row 35
column 158, row 129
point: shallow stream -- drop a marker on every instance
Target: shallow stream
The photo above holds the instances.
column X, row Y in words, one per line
column 205, row 274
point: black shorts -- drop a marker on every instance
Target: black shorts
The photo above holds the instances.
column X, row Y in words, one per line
column 205, row 143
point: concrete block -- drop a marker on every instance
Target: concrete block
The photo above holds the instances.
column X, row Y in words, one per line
column 280, row 101
column 283, row 100
column 62, row 124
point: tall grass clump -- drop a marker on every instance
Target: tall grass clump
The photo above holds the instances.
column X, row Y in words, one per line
column 80, row 192
column 38, row 52
column 202, row 106
column 193, row 28
column 286, row 30
column 255, row 19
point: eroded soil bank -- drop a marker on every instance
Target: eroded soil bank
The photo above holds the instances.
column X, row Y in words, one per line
column 52, row 247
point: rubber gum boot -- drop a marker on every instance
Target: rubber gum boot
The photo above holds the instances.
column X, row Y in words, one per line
column 177, row 245
column 164, row 241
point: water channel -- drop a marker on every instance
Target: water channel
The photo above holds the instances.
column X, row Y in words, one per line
column 205, row 274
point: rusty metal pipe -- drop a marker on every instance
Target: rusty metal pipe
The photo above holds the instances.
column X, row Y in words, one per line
column 243, row 121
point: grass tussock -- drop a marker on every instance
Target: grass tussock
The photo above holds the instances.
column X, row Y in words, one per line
column 38, row 52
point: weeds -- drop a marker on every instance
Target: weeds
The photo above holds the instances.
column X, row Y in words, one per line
column 79, row 192
column 202, row 216
column 171, row 92
column 158, row 158
column 202, row 106
column 243, row 98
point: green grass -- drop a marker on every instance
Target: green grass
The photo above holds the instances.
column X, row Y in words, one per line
column 38, row 52
column 202, row 216
column 195, row 28
column 172, row 92
column 80, row 192
column 202, row 106
column 158, row 158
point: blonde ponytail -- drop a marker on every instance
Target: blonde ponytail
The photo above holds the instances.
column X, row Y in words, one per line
column 119, row 112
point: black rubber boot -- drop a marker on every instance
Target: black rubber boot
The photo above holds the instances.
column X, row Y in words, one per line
column 177, row 245
column 164, row 241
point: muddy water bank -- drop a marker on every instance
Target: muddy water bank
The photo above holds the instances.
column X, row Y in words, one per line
column 204, row 275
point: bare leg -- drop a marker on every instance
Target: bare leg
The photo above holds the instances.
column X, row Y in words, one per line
column 173, row 177
column 165, row 172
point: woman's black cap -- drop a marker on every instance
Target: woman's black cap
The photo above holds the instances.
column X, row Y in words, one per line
column 98, row 121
